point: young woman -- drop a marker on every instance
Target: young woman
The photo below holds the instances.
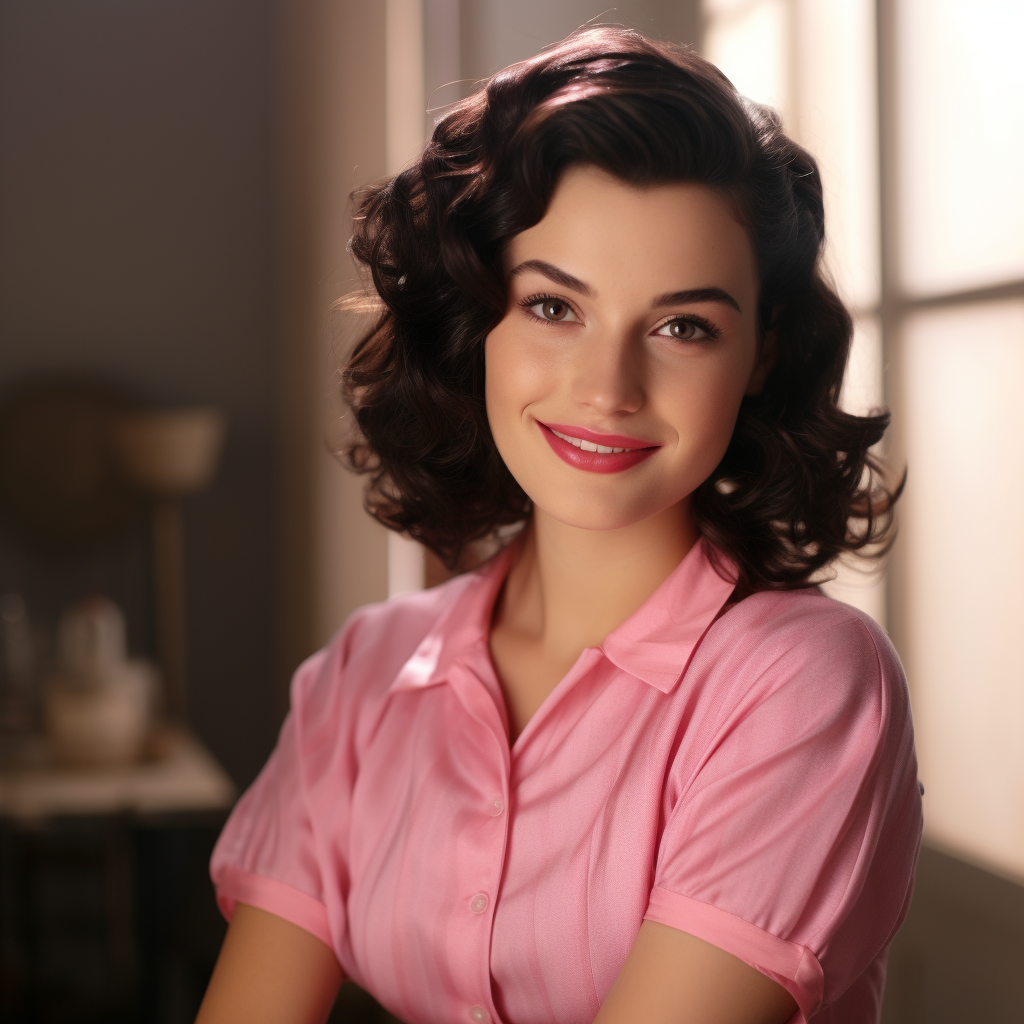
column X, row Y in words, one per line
column 635, row 767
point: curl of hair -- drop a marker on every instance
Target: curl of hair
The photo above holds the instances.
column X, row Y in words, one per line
column 798, row 485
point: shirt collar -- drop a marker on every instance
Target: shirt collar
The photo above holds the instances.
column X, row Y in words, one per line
column 464, row 624
column 654, row 644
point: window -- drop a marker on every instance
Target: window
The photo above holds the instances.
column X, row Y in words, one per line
column 912, row 108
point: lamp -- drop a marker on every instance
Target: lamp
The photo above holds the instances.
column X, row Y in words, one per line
column 168, row 454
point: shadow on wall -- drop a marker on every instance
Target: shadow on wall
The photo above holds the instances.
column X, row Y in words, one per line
column 958, row 955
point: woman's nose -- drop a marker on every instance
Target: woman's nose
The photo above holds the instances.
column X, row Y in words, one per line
column 608, row 377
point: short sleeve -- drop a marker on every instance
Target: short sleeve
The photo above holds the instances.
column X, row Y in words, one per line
column 792, row 843
column 267, row 854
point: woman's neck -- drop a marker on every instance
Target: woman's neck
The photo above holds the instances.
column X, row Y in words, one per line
column 570, row 587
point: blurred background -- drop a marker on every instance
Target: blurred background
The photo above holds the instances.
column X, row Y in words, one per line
column 175, row 535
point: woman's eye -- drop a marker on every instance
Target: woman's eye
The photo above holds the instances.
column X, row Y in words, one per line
column 683, row 330
column 552, row 309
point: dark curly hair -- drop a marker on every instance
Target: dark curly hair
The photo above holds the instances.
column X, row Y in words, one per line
column 798, row 485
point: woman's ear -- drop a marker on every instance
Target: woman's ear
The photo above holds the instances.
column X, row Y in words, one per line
column 767, row 352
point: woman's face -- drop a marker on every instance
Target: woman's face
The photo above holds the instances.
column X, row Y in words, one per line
column 631, row 324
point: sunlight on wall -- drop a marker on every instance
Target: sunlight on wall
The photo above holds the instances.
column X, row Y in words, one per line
column 750, row 42
column 962, row 135
column 961, row 226
column 964, row 547
column 813, row 62
column 836, row 117
column 957, row 225
column 859, row 582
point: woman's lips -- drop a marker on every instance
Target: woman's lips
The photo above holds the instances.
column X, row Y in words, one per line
column 596, row 462
column 607, row 440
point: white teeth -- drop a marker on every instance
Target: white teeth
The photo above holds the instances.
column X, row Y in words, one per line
column 565, row 437
column 589, row 446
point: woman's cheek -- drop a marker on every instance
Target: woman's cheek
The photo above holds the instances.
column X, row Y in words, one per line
column 706, row 420
column 506, row 386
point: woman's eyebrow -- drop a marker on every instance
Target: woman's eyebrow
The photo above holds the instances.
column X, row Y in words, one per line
column 697, row 295
column 567, row 280
column 553, row 273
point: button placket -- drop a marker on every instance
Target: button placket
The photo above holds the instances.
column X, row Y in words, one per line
column 475, row 697
column 480, row 903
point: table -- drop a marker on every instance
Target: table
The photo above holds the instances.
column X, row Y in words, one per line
column 180, row 775
column 106, row 912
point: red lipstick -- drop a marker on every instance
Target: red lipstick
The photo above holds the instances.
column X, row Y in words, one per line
column 596, row 462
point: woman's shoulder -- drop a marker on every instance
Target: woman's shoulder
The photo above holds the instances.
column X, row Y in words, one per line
column 400, row 622
column 802, row 646
column 807, row 619
column 370, row 648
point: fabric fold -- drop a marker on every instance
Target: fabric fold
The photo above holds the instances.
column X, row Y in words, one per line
column 235, row 886
column 793, row 966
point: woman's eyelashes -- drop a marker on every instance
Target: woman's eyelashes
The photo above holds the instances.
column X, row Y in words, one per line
column 688, row 328
column 550, row 309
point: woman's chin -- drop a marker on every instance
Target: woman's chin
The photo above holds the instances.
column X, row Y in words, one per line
column 582, row 514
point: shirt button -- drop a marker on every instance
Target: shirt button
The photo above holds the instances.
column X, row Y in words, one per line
column 479, row 1014
column 496, row 806
column 478, row 904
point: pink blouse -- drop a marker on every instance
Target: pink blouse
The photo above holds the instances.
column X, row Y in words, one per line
column 748, row 779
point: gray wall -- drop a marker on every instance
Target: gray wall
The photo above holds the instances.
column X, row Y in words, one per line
column 136, row 247
column 496, row 33
column 149, row 150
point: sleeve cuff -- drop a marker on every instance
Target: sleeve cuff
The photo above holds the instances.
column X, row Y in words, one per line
column 235, row 886
column 793, row 966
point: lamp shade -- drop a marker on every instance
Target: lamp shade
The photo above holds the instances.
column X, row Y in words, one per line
column 169, row 452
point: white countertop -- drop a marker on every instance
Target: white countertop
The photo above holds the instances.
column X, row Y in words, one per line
column 180, row 775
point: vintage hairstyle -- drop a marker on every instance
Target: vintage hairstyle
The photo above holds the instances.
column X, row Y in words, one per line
column 798, row 484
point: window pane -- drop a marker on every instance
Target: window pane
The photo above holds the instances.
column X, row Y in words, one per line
column 962, row 144
column 862, row 385
column 837, row 123
column 713, row 8
column 963, row 544
column 751, row 45
column 858, row 582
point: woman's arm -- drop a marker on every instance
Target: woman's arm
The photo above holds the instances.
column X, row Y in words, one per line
column 270, row 971
column 671, row 977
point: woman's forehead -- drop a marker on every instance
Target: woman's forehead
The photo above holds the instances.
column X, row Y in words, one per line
column 604, row 231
